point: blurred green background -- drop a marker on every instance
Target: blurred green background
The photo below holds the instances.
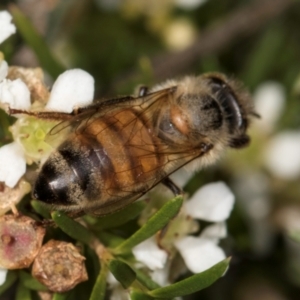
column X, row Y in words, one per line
column 125, row 43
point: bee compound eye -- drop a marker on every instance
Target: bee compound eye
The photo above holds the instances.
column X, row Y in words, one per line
column 217, row 84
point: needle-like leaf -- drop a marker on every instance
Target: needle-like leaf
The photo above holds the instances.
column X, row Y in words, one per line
column 36, row 42
column 122, row 272
column 72, row 228
column 99, row 288
column 192, row 284
column 155, row 223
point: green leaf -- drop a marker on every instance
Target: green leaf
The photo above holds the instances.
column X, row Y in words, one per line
column 155, row 223
column 41, row 209
column 62, row 296
column 192, row 284
column 137, row 295
column 120, row 217
column 23, row 293
column 122, row 272
column 10, row 279
column 98, row 292
column 36, row 42
column 31, row 283
column 109, row 239
column 72, row 228
column 145, row 280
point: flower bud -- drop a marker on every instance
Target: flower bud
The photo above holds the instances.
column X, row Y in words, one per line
column 20, row 241
column 59, row 266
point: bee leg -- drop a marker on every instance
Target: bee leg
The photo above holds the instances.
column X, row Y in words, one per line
column 143, row 91
column 46, row 115
column 172, row 186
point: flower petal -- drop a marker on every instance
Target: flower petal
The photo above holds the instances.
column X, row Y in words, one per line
column 111, row 280
column 15, row 93
column 216, row 231
column 213, row 202
column 72, row 88
column 119, row 293
column 12, row 164
column 282, row 155
column 150, row 254
column 269, row 100
column 199, row 254
column 161, row 276
column 3, row 69
column 3, row 273
column 6, row 28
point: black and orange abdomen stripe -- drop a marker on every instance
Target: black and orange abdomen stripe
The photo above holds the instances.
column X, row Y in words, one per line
column 110, row 158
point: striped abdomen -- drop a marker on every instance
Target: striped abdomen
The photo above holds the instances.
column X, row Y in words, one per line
column 109, row 159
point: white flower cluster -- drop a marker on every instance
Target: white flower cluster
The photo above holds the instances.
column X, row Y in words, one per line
column 6, row 29
column 72, row 88
column 282, row 151
column 213, row 203
column 14, row 94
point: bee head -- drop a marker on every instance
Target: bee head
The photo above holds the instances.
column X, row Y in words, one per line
column 236, row 108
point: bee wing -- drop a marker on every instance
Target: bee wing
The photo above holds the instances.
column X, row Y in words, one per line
column 130, row 193
column 143, row 160
column 71, row 122
column 84, row 116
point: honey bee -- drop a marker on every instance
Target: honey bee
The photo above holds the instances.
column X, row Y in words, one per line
column 117, row 150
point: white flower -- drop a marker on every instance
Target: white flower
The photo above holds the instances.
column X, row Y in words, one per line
column 3, row 273
column 269, row 100
column 282, row 155
column 15, row 93
column 199, row 254
column 72, row 88
column 3, row 69
column 161, row 276
column 12, row 164
column 118, row 292
column 213, row 202
column 6, row 28
column 149, row 254
column 215, row 232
